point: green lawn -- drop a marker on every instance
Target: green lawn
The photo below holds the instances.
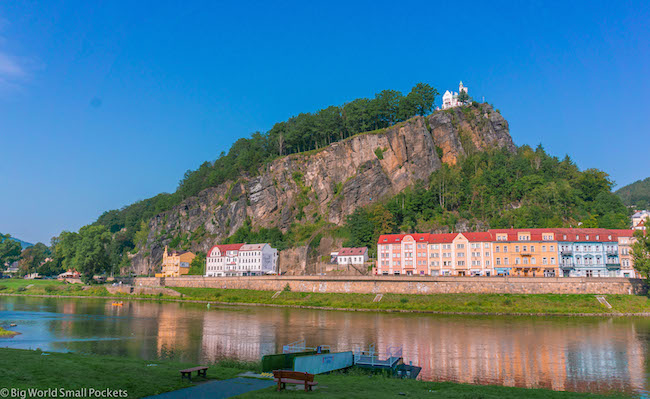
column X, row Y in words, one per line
column 49, row 287
column 337, row 386
column 448, row 303
column 22, row 369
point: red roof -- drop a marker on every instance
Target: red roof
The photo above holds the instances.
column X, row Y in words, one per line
column 352, row 251
column 226, row 247
column 572, row 234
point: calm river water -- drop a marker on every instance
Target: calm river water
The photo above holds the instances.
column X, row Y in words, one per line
column 577, row 354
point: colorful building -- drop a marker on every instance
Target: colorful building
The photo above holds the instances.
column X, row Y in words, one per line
column 525, row 252
column 454, row 254
column 241, row 260
column 508, row 252
column 175, row 263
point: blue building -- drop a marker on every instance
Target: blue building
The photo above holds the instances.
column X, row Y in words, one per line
column 588, row 253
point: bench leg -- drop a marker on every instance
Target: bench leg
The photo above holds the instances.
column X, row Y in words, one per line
column 306, row 386
column 279, row 386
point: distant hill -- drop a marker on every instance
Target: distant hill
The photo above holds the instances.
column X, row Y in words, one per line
column 24, row 244
column 636, row 194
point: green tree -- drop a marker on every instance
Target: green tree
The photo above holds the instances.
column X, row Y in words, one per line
column 91, row 255
column 423, row 97
column 9, row 249
column 197, row 266
column 32, row 258
column 641, row 253
column 463, row 97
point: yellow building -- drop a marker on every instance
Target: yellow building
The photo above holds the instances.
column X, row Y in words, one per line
column 175, row 263
column 529, row 253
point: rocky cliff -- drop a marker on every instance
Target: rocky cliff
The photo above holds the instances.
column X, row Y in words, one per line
column 328, row 183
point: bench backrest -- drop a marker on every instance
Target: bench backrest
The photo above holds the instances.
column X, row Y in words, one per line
column 294, row 375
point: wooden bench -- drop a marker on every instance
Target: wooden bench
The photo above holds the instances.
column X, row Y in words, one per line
column 284, row 377
column 201, row 371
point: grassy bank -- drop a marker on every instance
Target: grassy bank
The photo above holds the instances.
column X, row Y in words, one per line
column 443, row 303
column 49, row 287
column 6, row 333
column 337, row 386
column 23, row 369
column 552, row 304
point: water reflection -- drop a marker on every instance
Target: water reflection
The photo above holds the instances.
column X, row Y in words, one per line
column 577, row 354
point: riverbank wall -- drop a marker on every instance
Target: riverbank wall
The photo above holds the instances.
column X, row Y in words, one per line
column 406, row 284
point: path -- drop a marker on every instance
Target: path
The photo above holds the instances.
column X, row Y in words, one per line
column 218, row 389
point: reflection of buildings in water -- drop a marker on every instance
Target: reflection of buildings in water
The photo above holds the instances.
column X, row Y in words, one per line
column 599, row 361
column 524, row 352
column 176, row 325
column 237, row 335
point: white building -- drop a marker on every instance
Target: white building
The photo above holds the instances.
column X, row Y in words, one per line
column 640, row 219
column 450, row 99
column 350, row 256
column 241, row 260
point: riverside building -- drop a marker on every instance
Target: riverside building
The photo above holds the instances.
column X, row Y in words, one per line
column 241, row 260
column 176, row 263
column 508, row 252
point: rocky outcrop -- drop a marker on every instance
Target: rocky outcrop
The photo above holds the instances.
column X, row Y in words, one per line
column 328, row 183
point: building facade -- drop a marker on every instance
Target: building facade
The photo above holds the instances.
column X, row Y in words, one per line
column 454, row 254
column 509, row 252
column 241, row 260
column 350, row 256
column 525, row 253
column 450, row 99
column 176, row 263
column 640, row 219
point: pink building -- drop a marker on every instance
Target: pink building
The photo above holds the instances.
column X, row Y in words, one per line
column 453, row 254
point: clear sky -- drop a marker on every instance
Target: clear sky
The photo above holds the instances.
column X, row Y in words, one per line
column 104, row 104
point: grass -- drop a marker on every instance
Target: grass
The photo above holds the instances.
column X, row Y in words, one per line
column 441, row 303
column 444, row 303
column 49, row 287
column 6, row 333
column 23, row 369
column 376, row 386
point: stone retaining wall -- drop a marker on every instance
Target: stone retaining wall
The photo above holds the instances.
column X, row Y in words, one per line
column 409, row 285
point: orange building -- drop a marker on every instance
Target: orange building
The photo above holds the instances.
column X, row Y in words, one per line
column 175, row 263
column 527, row 252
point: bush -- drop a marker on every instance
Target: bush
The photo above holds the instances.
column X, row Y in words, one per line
column 379, row 153
column 404, row 300
column 287, row 288
column 50, row 288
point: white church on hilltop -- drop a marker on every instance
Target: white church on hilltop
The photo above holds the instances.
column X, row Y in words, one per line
column 450, row 99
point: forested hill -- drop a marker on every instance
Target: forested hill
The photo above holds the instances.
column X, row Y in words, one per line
column 349, row 173
column 636, row 194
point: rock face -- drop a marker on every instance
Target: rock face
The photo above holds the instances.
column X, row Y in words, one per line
column 328, row 183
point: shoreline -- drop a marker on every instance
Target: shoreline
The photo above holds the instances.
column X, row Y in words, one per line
column 416, row 311
column 30, row 369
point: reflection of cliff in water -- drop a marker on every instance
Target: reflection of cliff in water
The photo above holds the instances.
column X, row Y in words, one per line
column 576, row 354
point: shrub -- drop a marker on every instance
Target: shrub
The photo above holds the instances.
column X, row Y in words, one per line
column 404, row 300
column 379, row 153
column 50, row 288
column 287, row 288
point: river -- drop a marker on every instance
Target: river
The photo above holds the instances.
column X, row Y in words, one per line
column 561, row 353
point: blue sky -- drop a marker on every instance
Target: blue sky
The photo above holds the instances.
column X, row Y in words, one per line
column 104, row 104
